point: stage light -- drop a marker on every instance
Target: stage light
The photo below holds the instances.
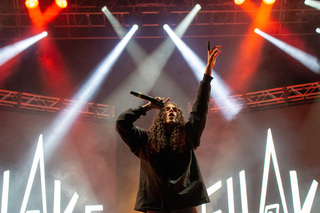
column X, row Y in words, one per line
column 197, row 7
column 219, row 91
column 269, row 2
column 239, row 2
column 155, row 61
column 62, row 3
column 318, row 30
column 249, row 50
column 89, row 89
column 31, row 4
column 312, row 3
column 8, row 52
column 309, row 61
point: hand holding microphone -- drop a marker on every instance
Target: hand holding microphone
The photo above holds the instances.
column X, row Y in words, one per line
column 155, row 101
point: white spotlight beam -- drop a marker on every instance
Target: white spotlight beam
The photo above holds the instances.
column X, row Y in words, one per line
column 135, row 51
column 8, row 52
column 219, row 91
column 183, row 26
column 154, row 62
column 313, row 3
column 309, row 61
column 63, row 122
column 114, row 22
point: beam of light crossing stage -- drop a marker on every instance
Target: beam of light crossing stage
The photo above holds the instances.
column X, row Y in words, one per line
column 64, row 120
column 312, row 3
column 149, row 68
column 309, row 61
column 135, row 51
column 10, row 51
column 219, row 91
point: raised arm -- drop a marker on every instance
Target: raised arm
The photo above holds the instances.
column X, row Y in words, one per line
column 212, row 56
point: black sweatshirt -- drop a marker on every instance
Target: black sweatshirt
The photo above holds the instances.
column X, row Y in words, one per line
column 168, row 180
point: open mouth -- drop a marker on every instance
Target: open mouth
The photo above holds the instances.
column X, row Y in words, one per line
column 171, row 115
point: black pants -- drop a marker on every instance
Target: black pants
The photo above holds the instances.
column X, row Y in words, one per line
column 187, row 210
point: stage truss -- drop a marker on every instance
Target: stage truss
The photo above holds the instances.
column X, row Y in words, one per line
column 21, row 101
column 83, row 19
column 271, row 98
column 266, row 99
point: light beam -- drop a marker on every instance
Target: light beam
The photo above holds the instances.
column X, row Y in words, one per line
column 312, row 3
column 309, row 61
column 64, row 120
column 8, row 52
column 155, row 61
column 219, row 91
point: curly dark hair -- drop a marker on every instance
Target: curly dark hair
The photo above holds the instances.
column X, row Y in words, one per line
column 158, row 137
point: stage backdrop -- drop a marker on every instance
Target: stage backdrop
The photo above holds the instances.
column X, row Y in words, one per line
column 262, row 161
column 274, row 152
column 79, row 170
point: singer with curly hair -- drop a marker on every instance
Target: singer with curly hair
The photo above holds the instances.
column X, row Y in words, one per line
column 170, row 178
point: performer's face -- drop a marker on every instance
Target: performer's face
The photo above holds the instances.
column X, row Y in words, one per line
column 171, row 114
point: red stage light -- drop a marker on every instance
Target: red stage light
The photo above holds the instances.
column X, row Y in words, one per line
column 31, row 4
column 62, row 3
column 269, row 2
column 239, row 2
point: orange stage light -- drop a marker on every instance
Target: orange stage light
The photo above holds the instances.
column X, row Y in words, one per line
column 249, row 54
column 62, row 3
column 239, row 2
column 31, row 4
column 40, row 19
column 269, row 2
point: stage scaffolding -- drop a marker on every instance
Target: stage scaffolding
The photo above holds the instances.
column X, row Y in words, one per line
column 26, row 102
column 266, row 99
column 83, row 19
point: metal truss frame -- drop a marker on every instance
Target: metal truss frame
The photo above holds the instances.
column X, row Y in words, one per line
column 272, row 98
column 83, row 19
column 21, row 101
column 266, row 99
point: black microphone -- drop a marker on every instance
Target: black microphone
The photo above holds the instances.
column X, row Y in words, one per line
column 148, row 98
column 209, row 48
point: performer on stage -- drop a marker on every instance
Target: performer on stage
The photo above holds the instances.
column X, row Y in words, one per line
column 170, row 178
